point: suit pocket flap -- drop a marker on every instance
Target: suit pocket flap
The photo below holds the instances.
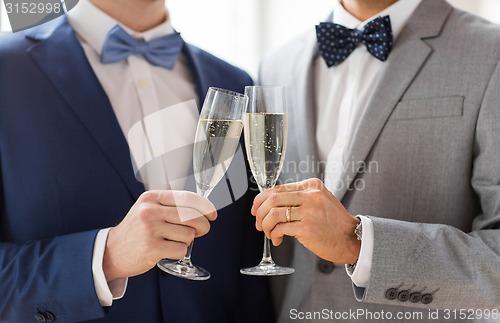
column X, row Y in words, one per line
column 429, row 108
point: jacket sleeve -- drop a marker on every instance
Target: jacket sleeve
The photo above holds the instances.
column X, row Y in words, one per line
column 53, row 275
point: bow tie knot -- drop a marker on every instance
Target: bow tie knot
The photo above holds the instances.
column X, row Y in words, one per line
column 337, row 42
column 356, row 36
column 162, row 51
column 141, row 48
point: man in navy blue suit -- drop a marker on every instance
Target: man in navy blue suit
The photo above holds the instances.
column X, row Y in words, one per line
column 79, row 238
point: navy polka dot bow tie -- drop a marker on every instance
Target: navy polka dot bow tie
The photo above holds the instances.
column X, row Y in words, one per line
column 162, row 51
column 337, row 42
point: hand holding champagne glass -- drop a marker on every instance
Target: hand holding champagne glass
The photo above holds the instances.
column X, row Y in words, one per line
column 217, row 138
column 266, row 127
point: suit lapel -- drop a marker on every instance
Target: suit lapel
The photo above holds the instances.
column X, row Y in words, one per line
column 201, row 77
column 409, row 54
column 202, row 81
column 304, row 117
column 58, row 53
column 301, row 118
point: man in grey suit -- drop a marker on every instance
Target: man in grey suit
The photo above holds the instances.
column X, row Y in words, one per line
column 403, row 128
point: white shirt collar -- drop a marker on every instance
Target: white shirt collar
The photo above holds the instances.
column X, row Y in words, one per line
column 92, row 25
column 399, row 12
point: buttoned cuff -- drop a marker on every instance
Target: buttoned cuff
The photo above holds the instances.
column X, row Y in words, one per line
column 106, row 291
column 361, row 274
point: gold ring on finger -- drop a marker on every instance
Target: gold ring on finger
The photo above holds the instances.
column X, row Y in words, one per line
column 289, row 214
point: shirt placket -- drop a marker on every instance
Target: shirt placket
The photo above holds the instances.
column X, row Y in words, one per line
column 149, row 104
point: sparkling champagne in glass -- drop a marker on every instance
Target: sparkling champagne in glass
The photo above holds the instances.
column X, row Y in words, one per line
column 217, row 138
column 266, row 127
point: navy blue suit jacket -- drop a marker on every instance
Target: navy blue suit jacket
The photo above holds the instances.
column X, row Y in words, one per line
column 65, row 173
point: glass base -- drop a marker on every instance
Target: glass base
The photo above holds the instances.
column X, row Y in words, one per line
column 267, row 269
column 180, row 269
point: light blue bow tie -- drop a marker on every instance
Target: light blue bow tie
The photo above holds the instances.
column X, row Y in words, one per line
column 162, row 51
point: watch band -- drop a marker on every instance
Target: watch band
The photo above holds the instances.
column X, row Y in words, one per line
column 358, row 231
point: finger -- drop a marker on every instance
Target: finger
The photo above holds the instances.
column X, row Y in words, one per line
column 258, row 226
column 201, row 226
column 182, row 199
column 291, row 229
column 263, row 197
column 171, row 250
column 186, row 217
column 279, row 215
column 176, row 232
column 277, row 200
column 309, row 184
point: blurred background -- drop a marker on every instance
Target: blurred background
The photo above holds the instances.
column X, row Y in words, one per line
column 242, row 31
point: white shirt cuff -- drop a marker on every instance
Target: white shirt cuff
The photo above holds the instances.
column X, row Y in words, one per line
column 106, row 291
column 361, row 274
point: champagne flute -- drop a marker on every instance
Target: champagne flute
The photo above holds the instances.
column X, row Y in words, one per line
column 266, row 127
column 217, row 138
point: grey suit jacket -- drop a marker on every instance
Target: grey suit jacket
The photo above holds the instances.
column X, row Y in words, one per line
column 431, row 132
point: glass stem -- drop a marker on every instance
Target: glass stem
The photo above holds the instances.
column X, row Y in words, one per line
column 186, row 261
column 266, row 255
column 267, row 259
column 187, row 258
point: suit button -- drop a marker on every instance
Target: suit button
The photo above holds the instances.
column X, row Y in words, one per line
column 415, row 297
column 326, row 267
column 427, row 299
column 49, row 317
column 391, row 294
column 403, row 296
column 40, row 317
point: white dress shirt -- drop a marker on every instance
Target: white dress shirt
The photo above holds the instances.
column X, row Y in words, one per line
column 343, row 93
column 136, row 90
